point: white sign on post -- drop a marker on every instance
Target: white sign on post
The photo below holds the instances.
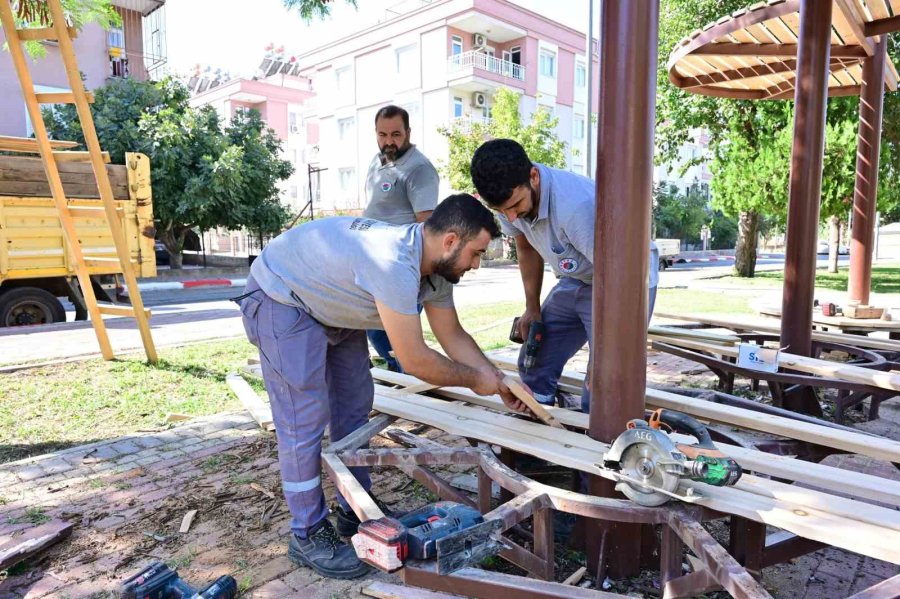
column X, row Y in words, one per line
column 759, row 358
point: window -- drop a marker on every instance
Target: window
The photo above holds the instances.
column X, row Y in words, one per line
column 345, row 126
column 548, row 64
column 579, row 128
column 457, row 107
column 115, row 38
column 294, row 157
column 294, row 193
column 406, row 61
column 580, row 75
column 515, row 55
column 293, row 122
column 456, row 45
column 347, row 177
column 344, row 80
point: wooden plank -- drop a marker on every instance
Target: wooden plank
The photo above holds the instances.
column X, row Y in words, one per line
column 700, row 335
column 578, row 451
column 361, row 436
column 62, row 97
column 846, row 372
column 885, row 588
column 252, row 402
column 362, row 503
column 27, row 144
column 23, row 176
column 860, row 443
column 43, row 34
column 32, row 541
column 769, row 325
column 576, row 576
column 534, row 405
column 829, row 478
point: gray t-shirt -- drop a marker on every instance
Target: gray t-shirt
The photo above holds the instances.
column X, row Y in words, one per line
column 397, row 190
column 335, row 268
column 563, row 230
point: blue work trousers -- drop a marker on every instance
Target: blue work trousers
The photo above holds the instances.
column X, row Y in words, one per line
column 316, row 376
column 566, row 313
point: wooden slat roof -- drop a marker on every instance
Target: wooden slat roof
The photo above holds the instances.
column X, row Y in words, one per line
column 752, row 54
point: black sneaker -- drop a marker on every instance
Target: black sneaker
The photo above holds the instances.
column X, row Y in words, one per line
column 325, row 553
column 348, row 523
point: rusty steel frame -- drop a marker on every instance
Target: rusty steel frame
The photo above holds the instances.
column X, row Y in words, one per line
column 735, row 569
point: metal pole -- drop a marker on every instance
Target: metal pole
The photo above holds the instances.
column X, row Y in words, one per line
column 810, row 99
column 865, row 194
column 589, row 95
column 628, row 36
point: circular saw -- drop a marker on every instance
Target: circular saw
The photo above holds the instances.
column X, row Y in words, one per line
column 650, row 467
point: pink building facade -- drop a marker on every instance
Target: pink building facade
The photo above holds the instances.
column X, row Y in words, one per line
column 136, row 49
column 280, row 100
column 442, row 61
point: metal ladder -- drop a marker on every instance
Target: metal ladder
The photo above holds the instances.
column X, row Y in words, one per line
column 53, row 152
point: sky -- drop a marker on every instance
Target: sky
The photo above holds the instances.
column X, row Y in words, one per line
column 232, row 34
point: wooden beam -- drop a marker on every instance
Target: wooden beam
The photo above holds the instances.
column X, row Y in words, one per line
column 820, row 476
column 357, row 497
column 856, row 20
column 251, row 401
column 768, row 50
column 32, row 541
column 534, row 405
column 882, row 26
column 578, row 451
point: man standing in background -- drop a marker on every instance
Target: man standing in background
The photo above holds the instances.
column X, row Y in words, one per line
column 401, row 189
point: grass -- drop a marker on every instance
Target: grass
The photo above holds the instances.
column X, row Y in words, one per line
column 32, row 515
column 699, row 301
column 45, row 409
column 885, row 279
column 50, row 408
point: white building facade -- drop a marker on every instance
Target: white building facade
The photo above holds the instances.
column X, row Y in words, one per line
column 441, row 61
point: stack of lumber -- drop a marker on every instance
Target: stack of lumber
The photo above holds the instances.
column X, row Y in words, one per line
column 768, row 325
column 851, row 524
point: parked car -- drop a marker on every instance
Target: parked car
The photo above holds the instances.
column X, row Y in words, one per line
column 162, row 254
column 824, row 247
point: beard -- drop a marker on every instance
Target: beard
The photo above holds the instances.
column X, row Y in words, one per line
column 390, row 152
column 446, row 267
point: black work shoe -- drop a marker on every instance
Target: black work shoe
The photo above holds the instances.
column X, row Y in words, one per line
column 325, row 553
column 348, row 523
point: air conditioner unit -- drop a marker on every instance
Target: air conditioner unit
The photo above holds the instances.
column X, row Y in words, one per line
column 479, row 100
column 479, row 40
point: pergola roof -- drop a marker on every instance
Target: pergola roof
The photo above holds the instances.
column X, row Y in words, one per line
column 752, row 54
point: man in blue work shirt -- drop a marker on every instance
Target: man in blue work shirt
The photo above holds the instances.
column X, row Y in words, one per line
column 550, row 213
column 311, row 294
column 401, row 188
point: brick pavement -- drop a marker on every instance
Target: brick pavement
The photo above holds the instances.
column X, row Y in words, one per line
column 127, row 497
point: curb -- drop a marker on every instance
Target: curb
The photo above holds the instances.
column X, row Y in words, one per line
column 709, row 259
column 176, row 285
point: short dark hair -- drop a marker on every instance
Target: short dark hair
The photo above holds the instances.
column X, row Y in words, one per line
column 498, row 167
column 464, row 215
column 390, row 111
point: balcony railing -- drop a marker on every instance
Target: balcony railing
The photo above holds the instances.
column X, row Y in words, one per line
column 464, row 123
column 481, row 61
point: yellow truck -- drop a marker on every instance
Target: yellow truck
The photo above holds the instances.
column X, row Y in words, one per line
column 36, row 267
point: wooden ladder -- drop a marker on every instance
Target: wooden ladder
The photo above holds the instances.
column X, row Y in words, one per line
column 53, row 152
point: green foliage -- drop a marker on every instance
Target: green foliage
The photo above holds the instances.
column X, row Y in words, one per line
column 36, row 13
column 204, row 176
column 538, row 137
column 723, row 232
column 679, row 216
column 313, row 9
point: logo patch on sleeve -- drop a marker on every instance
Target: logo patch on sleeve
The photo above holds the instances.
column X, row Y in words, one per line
column 387, row 186
column 568, row 265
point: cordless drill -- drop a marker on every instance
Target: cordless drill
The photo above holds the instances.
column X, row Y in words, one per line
column 532, row 344
column 158, row 581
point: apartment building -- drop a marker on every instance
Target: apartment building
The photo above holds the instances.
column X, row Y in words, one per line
column 443, row 61
column 697, row 176
column 280, row 99
column 136, row 48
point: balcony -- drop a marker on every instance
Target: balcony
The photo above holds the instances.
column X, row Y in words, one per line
column 470, row 62
column 464, row 123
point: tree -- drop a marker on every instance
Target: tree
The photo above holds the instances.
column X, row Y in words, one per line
column 538, row 138
column 310, row 9
column 36, row 13
column 203, row 176
column 679, row 216
column 266, row 215
column 838, row 181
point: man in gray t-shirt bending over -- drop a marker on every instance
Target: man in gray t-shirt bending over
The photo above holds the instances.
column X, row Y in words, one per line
column 311, row 294
column 401, row 188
